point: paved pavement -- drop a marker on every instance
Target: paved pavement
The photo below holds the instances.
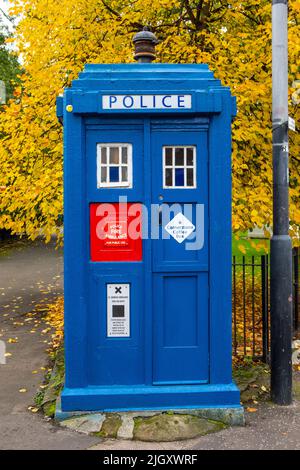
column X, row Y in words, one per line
column 32, row 273
column 28, row 274
column 271, row 427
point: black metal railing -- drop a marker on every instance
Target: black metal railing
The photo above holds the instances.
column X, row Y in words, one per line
column 251, row 304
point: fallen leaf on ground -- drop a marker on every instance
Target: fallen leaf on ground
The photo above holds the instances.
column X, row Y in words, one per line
column 251, row 410
column 12, row 340
column 33, row 409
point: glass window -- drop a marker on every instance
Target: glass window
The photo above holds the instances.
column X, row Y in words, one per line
column 103, row 174
column 124, row 154
column 114, row 165
column 103, row 154
column 189, row 156
column 169, row 177
column 169, row 153
column 124, row 173
column 114, row 155
column 179, row 176
column 190, row 177
column 114, row 174
column 179, row 167
column 179, row 156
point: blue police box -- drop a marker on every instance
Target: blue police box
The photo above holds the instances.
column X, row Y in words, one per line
column 147, row 230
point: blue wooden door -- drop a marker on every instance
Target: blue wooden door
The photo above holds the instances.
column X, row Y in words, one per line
column 114, row 360
column 180, row 266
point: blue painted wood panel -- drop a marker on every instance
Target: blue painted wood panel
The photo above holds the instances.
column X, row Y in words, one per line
column 180, row 290
column 180, row 328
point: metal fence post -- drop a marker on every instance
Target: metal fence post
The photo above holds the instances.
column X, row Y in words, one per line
column 234, row 307
column 264, row 307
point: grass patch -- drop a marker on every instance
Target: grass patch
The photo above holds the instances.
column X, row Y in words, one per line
column 45, row 399
column 245, row 246
column 253, row 380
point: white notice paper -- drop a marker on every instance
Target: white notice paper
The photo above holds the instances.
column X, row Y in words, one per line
column 118, row 310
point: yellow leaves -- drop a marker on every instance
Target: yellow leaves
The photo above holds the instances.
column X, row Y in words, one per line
column 251, row 409
column 263, row 245
column 15, row 9
column 12, row 340
column 53, row 135
column 56, row 39
column 242, row 249
column 55, row 319
column 33, row 409
column 244, row 314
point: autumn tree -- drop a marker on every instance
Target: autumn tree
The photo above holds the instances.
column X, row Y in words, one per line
column 57, row 38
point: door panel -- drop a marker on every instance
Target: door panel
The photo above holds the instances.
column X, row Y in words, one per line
column 180, row 287
column 191, row 254
column 180, row 328
column 114, row 360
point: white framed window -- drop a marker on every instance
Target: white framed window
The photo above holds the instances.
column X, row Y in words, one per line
column 114, row 165
column 179, row 167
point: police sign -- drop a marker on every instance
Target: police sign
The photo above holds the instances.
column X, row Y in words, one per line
column 146, row 101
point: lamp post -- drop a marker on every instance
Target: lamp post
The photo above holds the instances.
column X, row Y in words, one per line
column 281, row 247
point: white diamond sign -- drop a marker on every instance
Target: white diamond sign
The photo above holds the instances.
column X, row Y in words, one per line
column 180, row 227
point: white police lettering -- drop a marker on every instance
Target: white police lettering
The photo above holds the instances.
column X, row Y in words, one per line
column 146, row 102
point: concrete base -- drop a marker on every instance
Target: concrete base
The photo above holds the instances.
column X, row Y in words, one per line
column 122, row 424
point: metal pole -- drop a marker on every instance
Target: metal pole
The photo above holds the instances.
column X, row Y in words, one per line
column 264, row 306
column 296, row 287
column 281, row 248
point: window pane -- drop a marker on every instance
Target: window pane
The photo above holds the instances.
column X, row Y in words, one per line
column 103, row 174
column 168, row 157
column 114, row 155
column 190, row 177
column 179, row 156
column 179, row 177
column 103, row 155
column 124, row 173
column 114, row 174
column 189, row 156
column 124, row 154
column 169, row 177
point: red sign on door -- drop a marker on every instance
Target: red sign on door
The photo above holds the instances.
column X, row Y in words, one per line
column 115, row 231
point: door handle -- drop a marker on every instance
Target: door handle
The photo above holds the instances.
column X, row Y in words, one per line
column 160, row 217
